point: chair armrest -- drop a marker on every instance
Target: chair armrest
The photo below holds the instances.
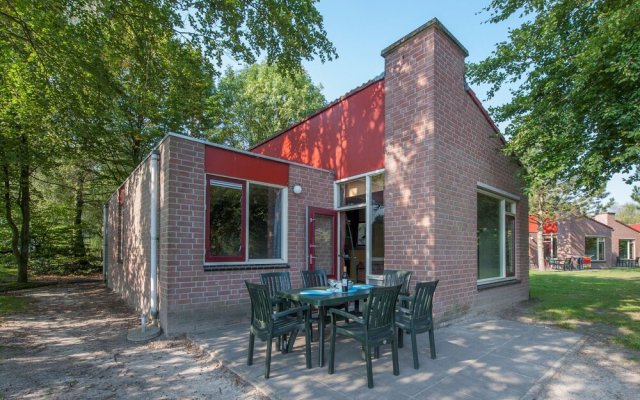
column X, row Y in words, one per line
column 290, row 311
column 345, row 314
column 404, row 310
column 402, row 297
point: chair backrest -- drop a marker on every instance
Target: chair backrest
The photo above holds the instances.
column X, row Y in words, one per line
column 275, row 282
column 422, row 304
column 261, row 309
column 379, row 315
column 393, row 277
column 314, row 278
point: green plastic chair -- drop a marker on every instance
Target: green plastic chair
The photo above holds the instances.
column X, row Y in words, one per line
column 267, row 325
column 393, row 277
column 374, row 328
column 317, row 278
column 314, row 278
column 276, row 282
column 417, row 317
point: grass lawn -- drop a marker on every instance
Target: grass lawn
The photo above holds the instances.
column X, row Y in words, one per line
column 592, row 297
column 8, row 274
column 10, row 304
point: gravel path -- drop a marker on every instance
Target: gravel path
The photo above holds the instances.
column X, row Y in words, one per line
column 72, row 344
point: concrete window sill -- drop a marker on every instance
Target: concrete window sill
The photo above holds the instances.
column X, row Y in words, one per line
column 243, row 267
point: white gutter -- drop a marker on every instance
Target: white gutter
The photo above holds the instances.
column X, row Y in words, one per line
column 105, row 241
column 155, row 157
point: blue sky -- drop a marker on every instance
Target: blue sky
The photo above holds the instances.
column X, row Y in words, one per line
column 360, row 29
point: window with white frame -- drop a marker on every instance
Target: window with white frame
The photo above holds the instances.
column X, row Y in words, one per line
column 550, row 244
column 245, row 221
column 495, row 236
column 594, row 248
column 627, row 249
column 361, row 203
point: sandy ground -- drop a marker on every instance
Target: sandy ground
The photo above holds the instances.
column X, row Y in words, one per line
column 597, row 370
column 72, row 344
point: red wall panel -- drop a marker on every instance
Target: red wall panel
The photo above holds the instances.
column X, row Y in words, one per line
column 346, row 137
column 237, row 165
column 549, row 227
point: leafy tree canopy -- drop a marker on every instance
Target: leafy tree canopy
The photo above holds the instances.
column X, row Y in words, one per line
column 628, row 213
column 254, row 103
column 575, row 109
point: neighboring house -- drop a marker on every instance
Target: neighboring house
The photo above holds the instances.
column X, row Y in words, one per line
column 624, row 240
column 404, row 172
column 602, row 238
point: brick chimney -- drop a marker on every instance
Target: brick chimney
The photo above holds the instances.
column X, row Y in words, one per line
column 424, row 72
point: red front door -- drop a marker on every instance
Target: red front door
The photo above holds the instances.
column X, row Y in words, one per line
column 321, row 235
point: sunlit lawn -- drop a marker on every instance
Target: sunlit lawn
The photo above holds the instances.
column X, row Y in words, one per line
column 610, row 297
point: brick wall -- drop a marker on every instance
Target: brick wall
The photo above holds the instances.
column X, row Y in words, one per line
column 572, row 232
column 192, row 297
column 439, row 145
column 620, row 231
column 128, row 269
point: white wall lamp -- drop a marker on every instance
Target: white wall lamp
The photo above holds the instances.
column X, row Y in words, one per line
column 297, row 189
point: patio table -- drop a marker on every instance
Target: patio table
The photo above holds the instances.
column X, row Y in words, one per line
column 322, row 298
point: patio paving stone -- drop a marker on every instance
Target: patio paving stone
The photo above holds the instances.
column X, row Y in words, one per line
column 478, row 359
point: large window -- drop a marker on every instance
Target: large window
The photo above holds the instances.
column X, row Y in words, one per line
column 495, row 236
column 626, row 249
column 245, row 221
column 594, row 248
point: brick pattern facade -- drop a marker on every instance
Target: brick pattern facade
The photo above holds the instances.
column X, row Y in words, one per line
column 439, row 145
column 129, row 274
column 620, row 231
column 571, row 237
column 189, row 296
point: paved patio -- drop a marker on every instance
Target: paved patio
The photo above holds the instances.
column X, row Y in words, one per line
column 477, row 359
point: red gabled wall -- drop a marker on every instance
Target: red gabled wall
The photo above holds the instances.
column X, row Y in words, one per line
column 346, row 137
column 549, row 226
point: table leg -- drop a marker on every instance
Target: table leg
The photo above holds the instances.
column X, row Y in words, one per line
column 322, row 312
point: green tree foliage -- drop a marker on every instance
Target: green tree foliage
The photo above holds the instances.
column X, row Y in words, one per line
column 628, row 213
column 254, row 103
column 575, row 107
column 87, row 87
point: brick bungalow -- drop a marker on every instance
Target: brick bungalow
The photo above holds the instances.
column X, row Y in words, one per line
column 623, row 240
column 404, row 172
column 607, row 241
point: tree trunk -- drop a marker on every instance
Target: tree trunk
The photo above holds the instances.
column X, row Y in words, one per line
column 78, row 248
column 539, row 238
column 8, row 213
column 540, row 246
column 25, row 208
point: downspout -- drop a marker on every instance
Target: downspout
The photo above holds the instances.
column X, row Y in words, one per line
column 105, row 241
column 155, row 158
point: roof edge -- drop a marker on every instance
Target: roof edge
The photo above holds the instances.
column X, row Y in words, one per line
column 435, row 22
column 245, row 152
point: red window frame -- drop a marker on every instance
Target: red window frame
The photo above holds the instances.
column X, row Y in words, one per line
column 208, row 256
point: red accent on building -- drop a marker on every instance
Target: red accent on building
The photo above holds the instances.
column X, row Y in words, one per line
column 549, row 227
column 346, row 137
column 238, row 165
column 634, row 226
